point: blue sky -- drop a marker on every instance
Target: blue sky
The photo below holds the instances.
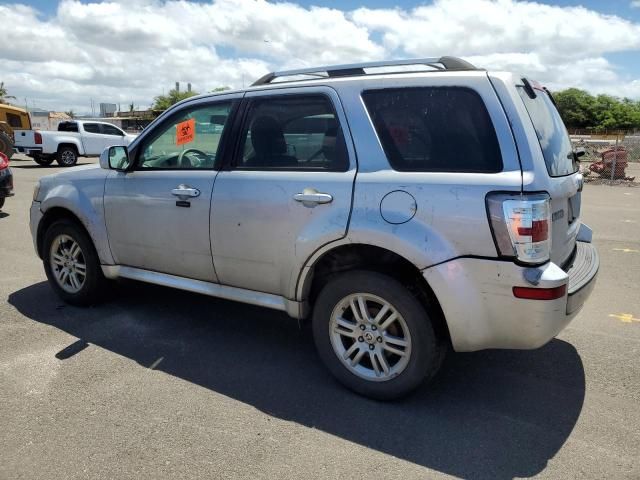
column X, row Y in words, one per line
column 65, row 53
column 622, row 8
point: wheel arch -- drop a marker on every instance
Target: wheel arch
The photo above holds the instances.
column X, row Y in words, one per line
column 360, row 256
column 51, row 216
column 59, row 212
column 69, row 144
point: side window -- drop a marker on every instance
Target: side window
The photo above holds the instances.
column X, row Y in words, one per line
column 14, row 120
column 293, row 133
column 188, row 141
column 111, row 130
column 434, row 129
column 91, row 128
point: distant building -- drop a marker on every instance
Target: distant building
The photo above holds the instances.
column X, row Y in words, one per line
column 108, row 109
column 45, row 120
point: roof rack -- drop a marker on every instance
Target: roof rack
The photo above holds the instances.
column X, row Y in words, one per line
column 355, row 69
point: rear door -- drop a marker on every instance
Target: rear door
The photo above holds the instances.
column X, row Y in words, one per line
column 563, row 182
column 92, row 139
column 287, row 191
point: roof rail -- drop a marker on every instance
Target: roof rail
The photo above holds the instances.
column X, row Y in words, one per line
column 355, row 69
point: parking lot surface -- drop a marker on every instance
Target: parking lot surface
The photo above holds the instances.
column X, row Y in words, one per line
column 158, row 383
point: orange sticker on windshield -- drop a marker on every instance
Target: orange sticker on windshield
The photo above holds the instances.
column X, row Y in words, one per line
column 185, row 131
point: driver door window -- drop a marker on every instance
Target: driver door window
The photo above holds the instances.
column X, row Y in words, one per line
column 188, row 141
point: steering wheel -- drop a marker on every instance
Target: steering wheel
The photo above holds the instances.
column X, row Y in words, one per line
column 181, row 157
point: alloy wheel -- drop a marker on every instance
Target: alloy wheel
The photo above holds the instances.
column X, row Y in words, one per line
column 68, row 263
column 370, row 337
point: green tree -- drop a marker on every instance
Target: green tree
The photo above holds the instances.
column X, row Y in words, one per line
column 71, row 113
column 132, row 107
column 577, row 108
column 162, row 102
column 4, row 94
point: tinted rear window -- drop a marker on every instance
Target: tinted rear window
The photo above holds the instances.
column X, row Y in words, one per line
column 552, row 134
column 67, row 127
column 434, row 129
column 91, row 128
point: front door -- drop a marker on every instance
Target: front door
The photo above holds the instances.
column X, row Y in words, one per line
column 158, row 214
column 287, row 192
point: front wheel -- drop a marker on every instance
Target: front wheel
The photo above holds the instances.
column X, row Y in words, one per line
column 67, row 156
column 1, row 202
column 72, row 265
column 374, row 336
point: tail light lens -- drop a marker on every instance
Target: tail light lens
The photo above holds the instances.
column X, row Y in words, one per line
column 38, row 138
column 4, row 161
column 521, row 225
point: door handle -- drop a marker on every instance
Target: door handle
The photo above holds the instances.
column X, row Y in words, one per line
column 311, row 195
column 185, row 191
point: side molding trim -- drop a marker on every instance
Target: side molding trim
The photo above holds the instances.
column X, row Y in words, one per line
column 292, row 308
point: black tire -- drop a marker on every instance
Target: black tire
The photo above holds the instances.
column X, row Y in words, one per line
column 92, row 291
column 67, row 156
column 1, row 202
column 427, row 352
column 6, row 144
column 44, row 160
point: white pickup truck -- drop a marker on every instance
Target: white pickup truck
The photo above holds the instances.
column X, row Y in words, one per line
column 72, row 140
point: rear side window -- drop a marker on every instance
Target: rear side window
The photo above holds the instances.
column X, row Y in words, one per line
column 67, row 127
column 552, row 134
column 434, row 129
column 91, row 128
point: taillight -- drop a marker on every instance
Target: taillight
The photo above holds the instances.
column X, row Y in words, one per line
column 521, row 225
column 38, row 138
column 4, row 161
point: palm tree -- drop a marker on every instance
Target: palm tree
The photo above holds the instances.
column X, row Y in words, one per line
column 3, row 94
column 71, row 113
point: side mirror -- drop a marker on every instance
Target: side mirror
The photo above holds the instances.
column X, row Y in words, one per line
column 115, row 158
column 579, row 152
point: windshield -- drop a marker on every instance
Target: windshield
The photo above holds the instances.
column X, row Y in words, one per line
column 552, row 134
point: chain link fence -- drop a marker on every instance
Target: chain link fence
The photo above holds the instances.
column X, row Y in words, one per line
column 612, row 158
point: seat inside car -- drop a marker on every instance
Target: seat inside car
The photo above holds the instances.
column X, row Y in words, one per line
column 269, row 144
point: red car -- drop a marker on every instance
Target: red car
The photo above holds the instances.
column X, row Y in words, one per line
column 6, row 179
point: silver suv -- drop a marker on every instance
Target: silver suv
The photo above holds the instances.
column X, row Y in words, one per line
column 406, row 207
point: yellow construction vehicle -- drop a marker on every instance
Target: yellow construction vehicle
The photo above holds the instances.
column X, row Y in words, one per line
column 11, row 118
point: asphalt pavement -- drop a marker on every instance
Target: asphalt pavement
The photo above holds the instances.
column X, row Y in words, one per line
column 158, row 383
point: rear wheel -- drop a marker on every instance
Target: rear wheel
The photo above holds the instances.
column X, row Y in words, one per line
column 6, row 144
column 374, row 335
column 67, row 156
column 71, row 264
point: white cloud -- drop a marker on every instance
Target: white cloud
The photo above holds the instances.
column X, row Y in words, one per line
column 130, row 50
column 635, row 4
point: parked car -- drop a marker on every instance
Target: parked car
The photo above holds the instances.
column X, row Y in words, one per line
column 6, row 179
column 72, row 140
column 403, row 212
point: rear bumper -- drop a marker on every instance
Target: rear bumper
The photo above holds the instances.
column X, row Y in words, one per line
column 481, row 311
column 28, row 150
